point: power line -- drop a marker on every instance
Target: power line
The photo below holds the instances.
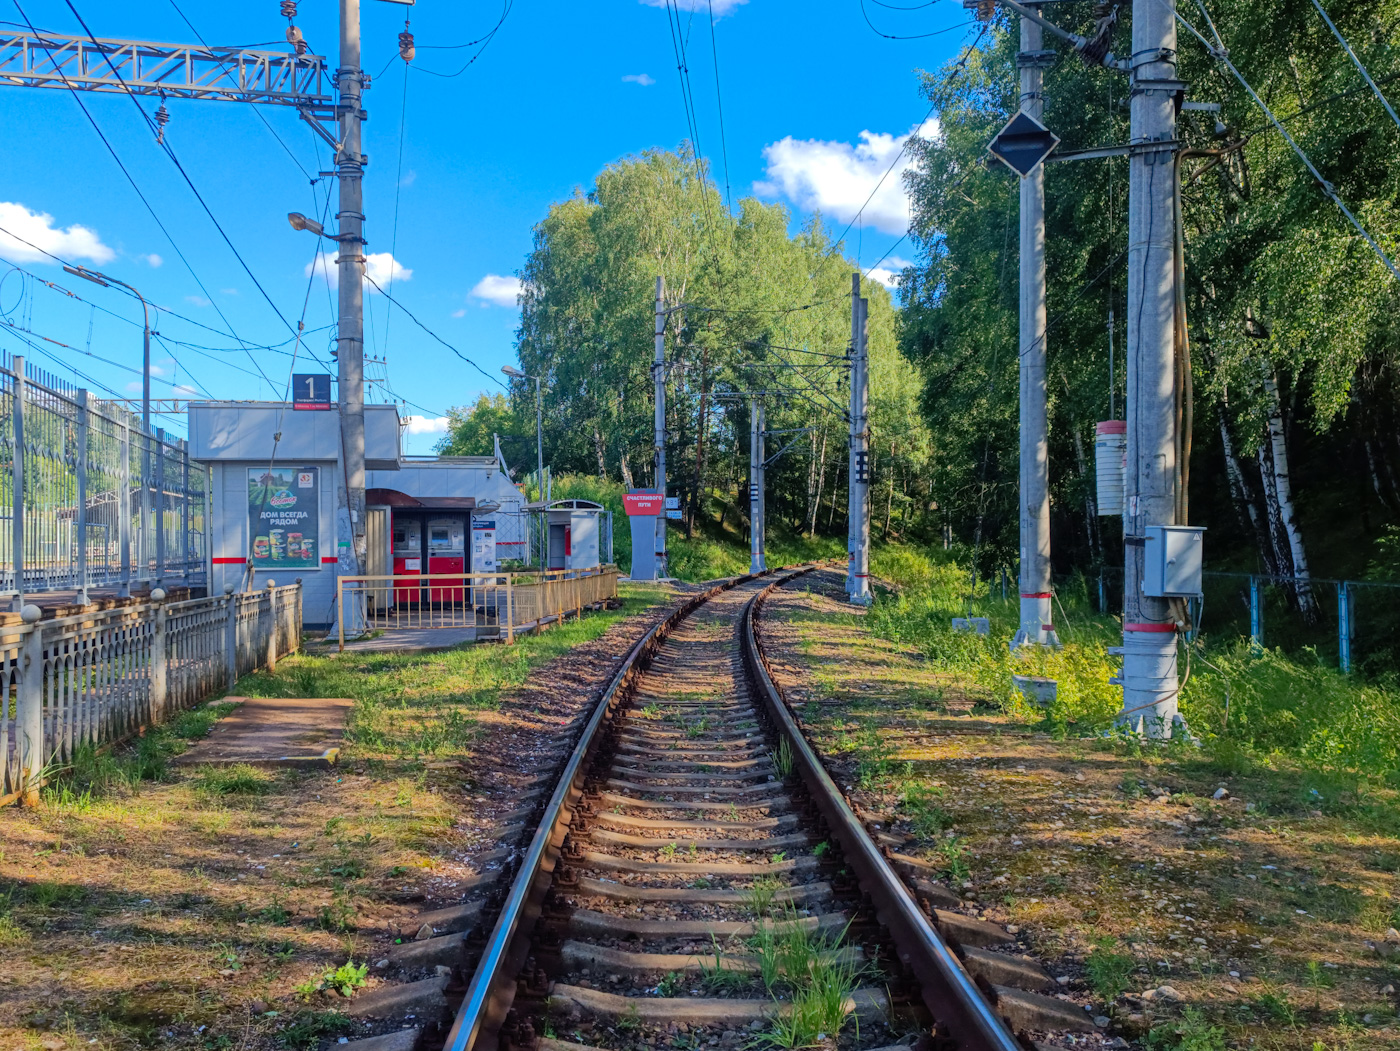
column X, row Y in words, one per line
column 917, row 36
column 719, row 105
column 256, row 109
column 1360, row 68
column 135, row 186
column 398, row 192
column 170, row 152
column 485, row 42
column 435, row 336
column 1219, row 52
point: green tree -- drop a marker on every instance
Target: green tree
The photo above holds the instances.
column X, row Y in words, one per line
column 470, row 431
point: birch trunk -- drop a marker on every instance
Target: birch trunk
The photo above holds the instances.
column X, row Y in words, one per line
column 1307, row 605
column 1243, row 497
column 821, row 479
column 1282, row 561
column 1375, row 474
column 1091, row 511
column 627, row 472
column 601, row 449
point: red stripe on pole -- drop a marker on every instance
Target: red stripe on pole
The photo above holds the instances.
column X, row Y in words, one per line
column 1160, row 629
column 229, row 561
column 1038, row 594
column 328, row 560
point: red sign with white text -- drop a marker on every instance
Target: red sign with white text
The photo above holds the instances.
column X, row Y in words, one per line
column 644, row 503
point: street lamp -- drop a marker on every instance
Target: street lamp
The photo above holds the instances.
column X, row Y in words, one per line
column 515, row 374
column 301, row 222
column 106, row 281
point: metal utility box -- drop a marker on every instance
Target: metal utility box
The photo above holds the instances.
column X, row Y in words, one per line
column 1172, row 561
column 573, row 534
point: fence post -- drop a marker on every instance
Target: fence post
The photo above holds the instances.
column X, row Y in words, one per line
column 340, row 611
column 82, row 438
column 1256, row 614
column 160, row 692
column 159, row 508
column 295, row 626
column 1344, row 626
column 272, row 630
column 124, row 508
column 17, row 482
column 231, row 635
column 510, row 608
column 29, row 708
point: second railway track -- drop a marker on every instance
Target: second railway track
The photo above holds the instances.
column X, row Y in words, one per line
column 696, row 880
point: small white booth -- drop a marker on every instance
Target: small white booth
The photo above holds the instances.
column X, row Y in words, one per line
column 573, row 534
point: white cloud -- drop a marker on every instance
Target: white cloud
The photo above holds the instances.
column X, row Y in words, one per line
column 198, row 301
column 721, row 7
column 134, row 387
column 460, row 312
column 76, row 242
column 189, row 392
column 835, row 178
column 888, row 274
column 152, row 260
column 644, row 79
column 229, row 291
column 427, row 424
column 493, row 288
column 378, row 265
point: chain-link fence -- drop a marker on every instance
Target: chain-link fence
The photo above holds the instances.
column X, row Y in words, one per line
column 93, row 501
column 1350, row 624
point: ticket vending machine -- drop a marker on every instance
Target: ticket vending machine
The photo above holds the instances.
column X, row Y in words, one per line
column 447, row 553
column 407, row 552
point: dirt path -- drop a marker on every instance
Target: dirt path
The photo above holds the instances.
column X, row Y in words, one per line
column 1196, row 907
column 204, row 908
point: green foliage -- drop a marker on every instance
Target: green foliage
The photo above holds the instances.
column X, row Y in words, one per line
column 470, row 431
column 347, row 978
column 308, row 1028
column 1191, row 1032
column 236, row 779
column 1109, row 971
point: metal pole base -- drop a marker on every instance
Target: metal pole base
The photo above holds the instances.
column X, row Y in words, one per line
column 1150, row 686
column 1036, row 627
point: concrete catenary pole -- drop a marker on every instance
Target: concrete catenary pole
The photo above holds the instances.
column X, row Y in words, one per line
column 658, row 376
column 762, row 486
column 860, row 455
column 350, row 344
column 1149, row 628
column 755, row 488
column 851, row 436
column 1036, row 625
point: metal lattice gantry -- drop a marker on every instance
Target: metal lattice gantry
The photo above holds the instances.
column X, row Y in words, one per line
column 231, row 74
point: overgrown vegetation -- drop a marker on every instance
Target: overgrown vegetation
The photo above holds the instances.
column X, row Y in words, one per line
column 1247, row 705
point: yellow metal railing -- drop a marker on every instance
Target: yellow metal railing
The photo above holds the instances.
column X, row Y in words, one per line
column 496, row 605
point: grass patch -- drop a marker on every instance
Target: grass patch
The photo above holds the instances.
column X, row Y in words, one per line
column 236, row 779
column 420, row 706
column 1109, row 971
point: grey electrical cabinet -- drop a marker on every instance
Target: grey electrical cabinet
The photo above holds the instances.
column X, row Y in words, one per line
column 1172, row 561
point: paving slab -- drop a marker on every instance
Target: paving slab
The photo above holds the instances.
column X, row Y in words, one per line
column 275, row 731
column 403, row 640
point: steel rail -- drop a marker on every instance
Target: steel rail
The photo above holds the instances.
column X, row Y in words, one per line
column 493, row 985
column 949, row 992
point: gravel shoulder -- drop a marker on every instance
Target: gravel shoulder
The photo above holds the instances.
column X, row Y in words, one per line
column 1194, row 905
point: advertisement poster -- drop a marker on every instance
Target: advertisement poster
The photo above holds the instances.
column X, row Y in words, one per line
column 284, row 515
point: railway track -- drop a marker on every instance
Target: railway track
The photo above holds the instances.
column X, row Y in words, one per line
column 696, row 880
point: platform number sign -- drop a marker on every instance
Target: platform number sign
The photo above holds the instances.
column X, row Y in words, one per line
column 311, row 391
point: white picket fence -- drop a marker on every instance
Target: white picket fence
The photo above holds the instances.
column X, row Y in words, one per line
column 96, row 678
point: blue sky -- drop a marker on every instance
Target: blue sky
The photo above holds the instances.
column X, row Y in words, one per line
column 815, row 108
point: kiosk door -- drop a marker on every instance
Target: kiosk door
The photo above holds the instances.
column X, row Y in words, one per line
column 447, row 553
column 407, row 552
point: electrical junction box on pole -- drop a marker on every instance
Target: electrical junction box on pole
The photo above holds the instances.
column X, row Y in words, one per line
column 1023, row 144
column 1172, row 561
